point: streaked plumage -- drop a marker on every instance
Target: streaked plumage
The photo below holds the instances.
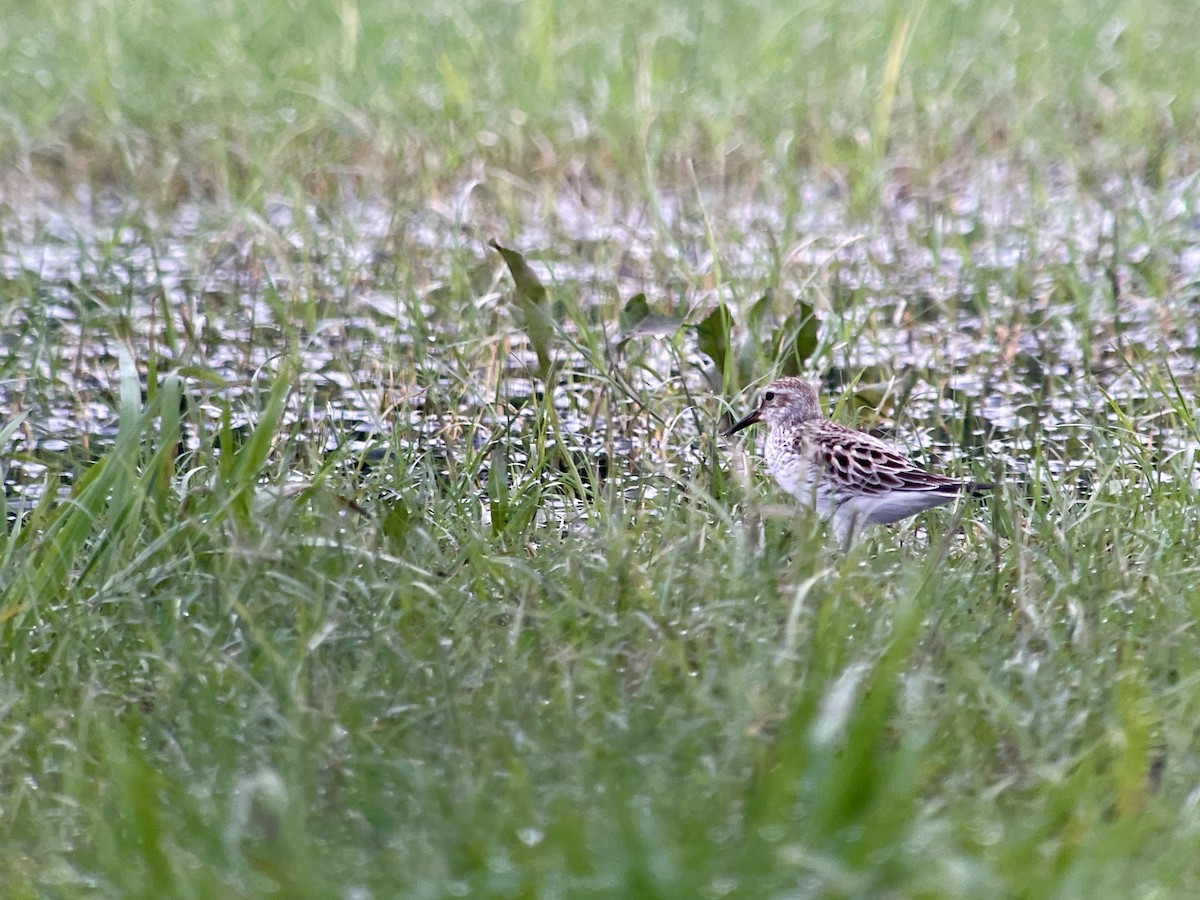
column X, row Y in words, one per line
column 849, row 477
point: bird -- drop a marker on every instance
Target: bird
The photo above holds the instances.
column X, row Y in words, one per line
column 851, row 478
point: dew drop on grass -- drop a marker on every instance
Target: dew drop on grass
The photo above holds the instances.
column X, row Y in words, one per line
column 530, row 837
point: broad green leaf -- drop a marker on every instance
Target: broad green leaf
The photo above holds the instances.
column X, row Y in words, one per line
column 396, row 525
column 714, row 336
column 497, row 487
column 636, row 311
column 169, row 397
column 760, row 310
column 638, row 319
column 533, row 307
column 797, row 339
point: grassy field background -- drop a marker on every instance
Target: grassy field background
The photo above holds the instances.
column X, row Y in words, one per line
column 232, row 99
column 311, row 588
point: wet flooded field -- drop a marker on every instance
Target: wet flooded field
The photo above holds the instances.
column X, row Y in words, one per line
column 370, row 530
column 1012, row 316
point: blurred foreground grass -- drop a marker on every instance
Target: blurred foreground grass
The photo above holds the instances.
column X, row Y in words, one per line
column 218, row 679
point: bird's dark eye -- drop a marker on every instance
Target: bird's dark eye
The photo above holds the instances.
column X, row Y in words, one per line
column 768, row 396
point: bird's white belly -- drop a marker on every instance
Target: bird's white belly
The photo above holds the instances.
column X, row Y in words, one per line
column 803, row 481
column 892, row 506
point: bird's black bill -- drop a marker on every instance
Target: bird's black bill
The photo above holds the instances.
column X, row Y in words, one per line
column 742, row 423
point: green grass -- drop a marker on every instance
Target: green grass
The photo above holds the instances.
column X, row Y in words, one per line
column 678, row 698
column 245, row 653
column 237, row 98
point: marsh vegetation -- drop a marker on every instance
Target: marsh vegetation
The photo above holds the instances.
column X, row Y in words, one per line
column 369, row 533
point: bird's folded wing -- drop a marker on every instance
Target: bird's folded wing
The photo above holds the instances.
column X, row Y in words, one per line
column 862, row 464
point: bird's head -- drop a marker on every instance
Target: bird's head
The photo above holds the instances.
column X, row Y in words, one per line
column 786, row 401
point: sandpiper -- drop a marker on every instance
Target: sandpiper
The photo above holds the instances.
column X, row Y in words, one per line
column 849, row 477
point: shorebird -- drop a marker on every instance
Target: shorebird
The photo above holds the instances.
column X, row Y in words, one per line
column 849, row 477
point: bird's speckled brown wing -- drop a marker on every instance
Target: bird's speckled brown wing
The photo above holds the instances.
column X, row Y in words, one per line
column 859, row 463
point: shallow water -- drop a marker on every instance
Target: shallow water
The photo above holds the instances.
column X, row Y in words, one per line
column 999, row 306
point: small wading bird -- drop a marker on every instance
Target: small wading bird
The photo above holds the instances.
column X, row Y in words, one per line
column 849, row 477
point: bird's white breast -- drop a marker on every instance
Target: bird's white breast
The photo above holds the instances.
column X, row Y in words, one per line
column 797, row 472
